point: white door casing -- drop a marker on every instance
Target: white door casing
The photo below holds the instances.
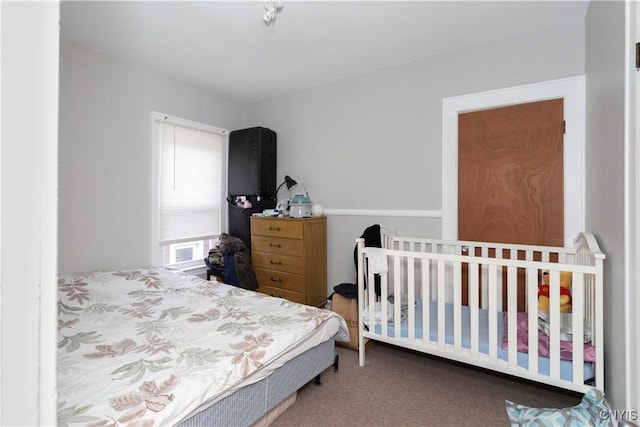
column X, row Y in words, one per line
column 632, row 209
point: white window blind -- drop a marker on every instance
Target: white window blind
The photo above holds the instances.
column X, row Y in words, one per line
column 190, row 184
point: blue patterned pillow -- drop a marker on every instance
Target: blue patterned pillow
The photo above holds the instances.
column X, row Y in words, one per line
column 593, row 410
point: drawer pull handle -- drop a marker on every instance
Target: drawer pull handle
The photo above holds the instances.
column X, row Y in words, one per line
column 275, row 279
column 275, row 262
column 275, row 245
column 272, row 228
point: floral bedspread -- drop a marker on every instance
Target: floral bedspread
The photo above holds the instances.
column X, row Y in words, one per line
column 147, row 347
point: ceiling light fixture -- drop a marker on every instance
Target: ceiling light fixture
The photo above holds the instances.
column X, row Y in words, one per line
column 272, row 6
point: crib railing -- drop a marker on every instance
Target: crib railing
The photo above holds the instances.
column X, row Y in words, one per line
column 436, row 270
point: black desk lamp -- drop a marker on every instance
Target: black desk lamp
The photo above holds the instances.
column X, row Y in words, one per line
column 283, row 205
column 290, row 184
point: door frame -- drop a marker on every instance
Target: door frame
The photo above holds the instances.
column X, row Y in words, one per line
column 572, row 89
column 632, row 206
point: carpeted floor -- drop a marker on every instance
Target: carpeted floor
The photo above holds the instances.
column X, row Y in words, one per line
column 401, row 388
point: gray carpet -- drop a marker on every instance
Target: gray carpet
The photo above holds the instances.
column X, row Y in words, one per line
column 402, row 388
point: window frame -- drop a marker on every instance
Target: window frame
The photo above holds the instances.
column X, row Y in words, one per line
column 196, row 245
column 156, row 249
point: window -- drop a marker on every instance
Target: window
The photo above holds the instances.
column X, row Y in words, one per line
column 185, row 252
column 190, row 175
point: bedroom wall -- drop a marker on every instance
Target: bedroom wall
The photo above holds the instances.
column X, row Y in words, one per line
column 28, row 153
column 605, row 179
column 105, row 151
column 373, row 142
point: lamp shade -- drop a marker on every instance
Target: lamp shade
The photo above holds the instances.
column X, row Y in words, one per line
column 289, row 181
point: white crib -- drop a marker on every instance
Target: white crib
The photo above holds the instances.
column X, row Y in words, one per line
column 449, row 301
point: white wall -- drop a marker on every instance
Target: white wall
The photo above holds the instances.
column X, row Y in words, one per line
column 28, row 211
column 105, row 154
column 374, row 141
column 605, row 50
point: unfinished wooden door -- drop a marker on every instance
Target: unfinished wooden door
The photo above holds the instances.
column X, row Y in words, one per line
column 510, row 175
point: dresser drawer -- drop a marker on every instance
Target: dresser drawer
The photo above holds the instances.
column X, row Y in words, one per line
column 277, row 227
column 279, row 279
column 282, row 293
column 289, row 257
column 276, row 245
column 273, row 261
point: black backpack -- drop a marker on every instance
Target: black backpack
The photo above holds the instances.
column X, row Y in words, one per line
column 371, row 236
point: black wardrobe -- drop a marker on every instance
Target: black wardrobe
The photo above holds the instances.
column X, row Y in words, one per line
column 252, row 176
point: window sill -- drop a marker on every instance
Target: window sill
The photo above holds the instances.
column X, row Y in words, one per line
column 195, row 270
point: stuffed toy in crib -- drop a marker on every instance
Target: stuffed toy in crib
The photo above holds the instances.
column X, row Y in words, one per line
column 565, row 292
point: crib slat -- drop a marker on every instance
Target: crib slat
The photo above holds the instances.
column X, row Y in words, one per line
column 597, row 329
column 485, row 277
column 411, row 298
column 441, row 302
column 371, row 300
column 493, row 310
column 384, row 315
column 362, row 301
column 545, row 256
column 554, row 321
column 499, row 287
column 528, row 255
column 562, row 258
column 512, row 313
column 397, row 297
column 474, row 304
column 512, row 289
column 457, row 304
column 577, row 327
column 532, row 300
column 426, row 300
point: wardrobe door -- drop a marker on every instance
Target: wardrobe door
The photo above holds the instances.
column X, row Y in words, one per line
column 252, row 162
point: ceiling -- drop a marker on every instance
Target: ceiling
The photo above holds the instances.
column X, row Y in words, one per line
column 226, row 45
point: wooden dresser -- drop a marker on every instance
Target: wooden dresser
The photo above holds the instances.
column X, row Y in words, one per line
column 289, row 256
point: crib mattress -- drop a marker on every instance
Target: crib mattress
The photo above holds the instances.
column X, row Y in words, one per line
column 566, row 366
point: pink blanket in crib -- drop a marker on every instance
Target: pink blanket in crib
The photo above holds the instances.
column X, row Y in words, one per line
column 566, row 347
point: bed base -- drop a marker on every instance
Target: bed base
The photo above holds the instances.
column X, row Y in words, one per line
column 251, row 405
column 435, row 270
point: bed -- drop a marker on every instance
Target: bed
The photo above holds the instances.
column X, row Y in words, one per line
column 476, row 303
column 162, row 347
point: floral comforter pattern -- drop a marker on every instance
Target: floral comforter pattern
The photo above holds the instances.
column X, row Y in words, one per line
column 147, row 347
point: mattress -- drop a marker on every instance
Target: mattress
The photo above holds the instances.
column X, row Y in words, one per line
column 566, row 366
column 248, row 404
column 154, row 346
